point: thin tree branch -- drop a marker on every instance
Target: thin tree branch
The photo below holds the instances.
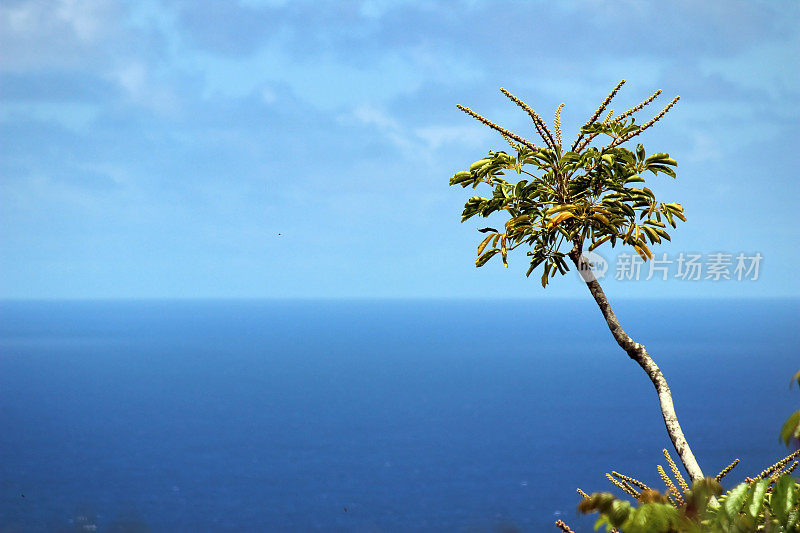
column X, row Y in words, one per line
column 597, row 113
column 494, row 126
column 620, row 140
column 540, row 125
column 563, row 526
column 585, row 142
column 636, row 108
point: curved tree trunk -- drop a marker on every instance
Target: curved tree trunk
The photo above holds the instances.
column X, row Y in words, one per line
column 637, row 352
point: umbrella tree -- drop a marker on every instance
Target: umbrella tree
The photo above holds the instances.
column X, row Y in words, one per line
column 570, row 201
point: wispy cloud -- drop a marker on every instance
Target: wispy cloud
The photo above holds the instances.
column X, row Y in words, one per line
column 57, row 33
column 419, row 142
column 224, row 120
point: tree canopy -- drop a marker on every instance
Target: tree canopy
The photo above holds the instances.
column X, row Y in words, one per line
column 569, row 197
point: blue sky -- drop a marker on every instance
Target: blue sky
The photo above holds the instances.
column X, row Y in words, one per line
column 157, row 149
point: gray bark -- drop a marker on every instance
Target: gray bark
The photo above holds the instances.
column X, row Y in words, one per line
column 638, row 353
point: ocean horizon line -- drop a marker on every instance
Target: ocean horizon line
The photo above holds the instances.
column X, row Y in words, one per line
column 266, row 299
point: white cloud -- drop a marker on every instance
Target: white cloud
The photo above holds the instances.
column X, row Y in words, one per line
column 84, row 17
column 387, row 125
column 422, row 141
column 369, row 114
column 131, row 78
column 56, row 32
column 20, row 18
column 138, row 84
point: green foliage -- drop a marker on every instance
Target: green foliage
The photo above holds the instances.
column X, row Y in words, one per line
column 569, row 197
column 770, row 504
column 616, row 514
column 791, row 429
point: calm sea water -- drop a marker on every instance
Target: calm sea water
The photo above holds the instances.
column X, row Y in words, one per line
column 368, row 415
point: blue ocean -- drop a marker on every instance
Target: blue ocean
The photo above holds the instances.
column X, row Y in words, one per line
column 369, row 415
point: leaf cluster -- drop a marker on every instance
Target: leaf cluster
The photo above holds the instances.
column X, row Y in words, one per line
column 568, row 197
column 791, row 428
column 769, row 504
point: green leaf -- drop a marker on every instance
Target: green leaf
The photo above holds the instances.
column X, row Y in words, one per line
column 530, row 269
column 661, row 168
column 783, row 497
column 790, row 428
column 560, row 207
column 657, row 158
column 656, row 223
column 485, row 257
column 478, row 164
column 546, row 271
column 460, row 177
column 669, row 218
column 662, row 233
column 596, row 127
column 651, row 234
column 603, row 521
column 702, row 491
column 640, row 152
column 735, row 499
column 570, row 157
column 628, row 210
column 793, row 520
column 599, row 242
column 756, row 499
column 619, row 512
column 473, row 206
column 483, row 244
column 562, row 216
column 651, row 517
column 624, row 154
